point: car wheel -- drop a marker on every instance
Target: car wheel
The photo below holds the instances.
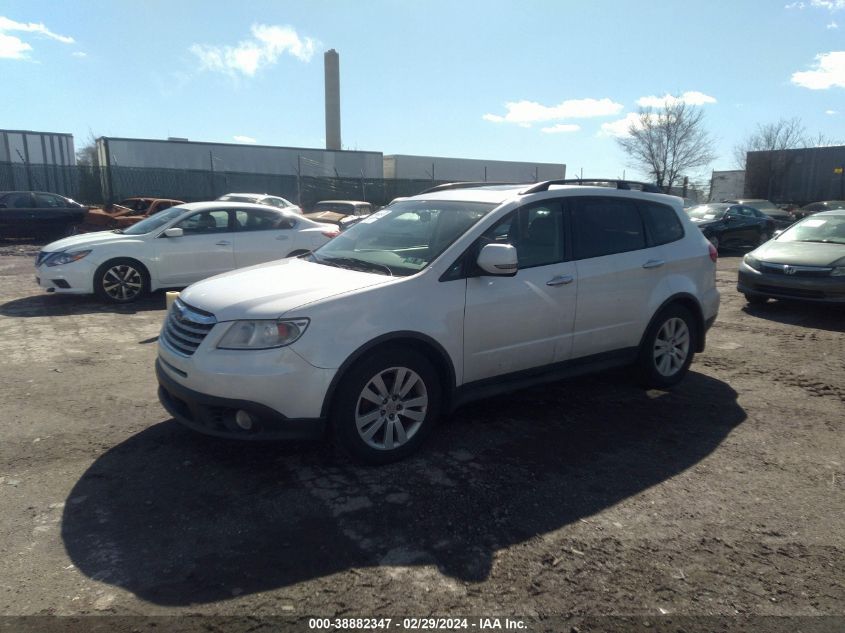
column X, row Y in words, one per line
column 121, row 281
column 764, row 237
column 667, row 348
column 386, row 405
column 756, row 300
column 714, row 241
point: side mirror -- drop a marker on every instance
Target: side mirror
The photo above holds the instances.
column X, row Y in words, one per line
column 499, row 260
column 173, row 232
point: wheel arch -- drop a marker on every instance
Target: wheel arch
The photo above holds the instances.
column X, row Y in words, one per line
column 118, row 258
column 690, row 303
column 417, row 341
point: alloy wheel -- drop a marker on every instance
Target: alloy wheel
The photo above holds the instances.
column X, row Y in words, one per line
column 671, row 346
column 391, row 408
column 123, row 282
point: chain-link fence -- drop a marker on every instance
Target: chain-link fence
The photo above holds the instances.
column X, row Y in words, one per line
column 97, row 186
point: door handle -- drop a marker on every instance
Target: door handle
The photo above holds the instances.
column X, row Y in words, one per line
column 654, row 263
column 282, row 237
column 223, row 243
column 560, row 280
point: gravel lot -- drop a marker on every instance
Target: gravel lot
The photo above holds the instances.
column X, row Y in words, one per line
column 585, row 498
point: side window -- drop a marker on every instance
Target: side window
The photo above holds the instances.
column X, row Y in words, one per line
column 662, row 222
column 262, row 220
column 47, row 201
column 535, row 230
column 604, row 226
column 205, row 222
column 18, row 201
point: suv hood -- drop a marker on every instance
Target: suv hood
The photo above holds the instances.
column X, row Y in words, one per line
column 268, row 291
column 800, row 253
column 86, row 240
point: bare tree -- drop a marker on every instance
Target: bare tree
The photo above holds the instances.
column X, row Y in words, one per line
column 777, row 136
column 87, row 154
column 668, row 141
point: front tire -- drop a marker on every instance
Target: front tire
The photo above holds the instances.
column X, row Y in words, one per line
column 667, row 348
column 386, row 405
column 121, row 281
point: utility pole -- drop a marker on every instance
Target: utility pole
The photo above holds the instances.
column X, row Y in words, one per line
column 299, row 180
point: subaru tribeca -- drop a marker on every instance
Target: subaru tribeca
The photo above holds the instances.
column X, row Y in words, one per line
column 439, row 299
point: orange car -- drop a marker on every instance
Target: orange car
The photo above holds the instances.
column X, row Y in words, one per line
column 127, row 212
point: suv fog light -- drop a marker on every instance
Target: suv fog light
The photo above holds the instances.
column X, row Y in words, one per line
column 243, row 420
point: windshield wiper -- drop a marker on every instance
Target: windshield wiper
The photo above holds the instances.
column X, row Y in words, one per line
column 117, row 231
column 352, row 263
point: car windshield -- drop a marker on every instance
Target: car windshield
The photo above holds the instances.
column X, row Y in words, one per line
column 707, row 211
column 135, row 204
column 763, row 205
column 402, row 239
column 154, row 221
column 829, row 228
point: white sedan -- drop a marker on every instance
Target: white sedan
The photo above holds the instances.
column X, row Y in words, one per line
column 175, row 248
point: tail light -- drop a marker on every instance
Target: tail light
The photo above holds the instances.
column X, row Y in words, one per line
column 714, row 254
column 331, row 233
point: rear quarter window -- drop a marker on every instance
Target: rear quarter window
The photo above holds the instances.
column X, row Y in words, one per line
column 604, row 226
column 662, row 223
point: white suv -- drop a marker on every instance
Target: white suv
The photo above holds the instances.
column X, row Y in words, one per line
column 439, row 299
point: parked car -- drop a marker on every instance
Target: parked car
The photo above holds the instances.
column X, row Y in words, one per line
column 815, row 207
column 732, row 225
column 262, row 198
column 781, row 217
column 175, row 248
column 343, row 213
column 30, row 213
column 127, row 212
column 435, row 301
column 805, row 262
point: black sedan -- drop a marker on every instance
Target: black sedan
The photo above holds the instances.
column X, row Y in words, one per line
column 38, row 213
column 732, row 225
column 816, row 207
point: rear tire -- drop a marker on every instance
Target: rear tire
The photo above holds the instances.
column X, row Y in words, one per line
column 121, row 280
column 386, row 405
column 667, row 348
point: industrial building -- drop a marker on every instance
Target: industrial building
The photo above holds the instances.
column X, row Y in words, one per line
column 402, row 166
column 39, row 161
column 727, row 185
column 796, row 176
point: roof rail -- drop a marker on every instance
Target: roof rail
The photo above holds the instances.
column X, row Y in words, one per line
column 465, row 185
column 619, row 184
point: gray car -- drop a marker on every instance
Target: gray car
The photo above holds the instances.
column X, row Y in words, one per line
column 805, row 262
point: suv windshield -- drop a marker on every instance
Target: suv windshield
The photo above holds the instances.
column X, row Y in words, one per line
column 404, row 238
column 829, row 228
column 154, row 221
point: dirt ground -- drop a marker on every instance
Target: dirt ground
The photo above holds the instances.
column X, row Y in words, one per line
column 586, row 498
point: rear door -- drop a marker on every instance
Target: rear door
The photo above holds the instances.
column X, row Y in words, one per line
column 263, row 236
column 16, row 211
column 617, row 274
column 517, row 323
column 206, row 248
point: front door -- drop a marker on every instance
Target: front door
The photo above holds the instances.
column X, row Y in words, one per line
column 206, row 248
column 517, row 323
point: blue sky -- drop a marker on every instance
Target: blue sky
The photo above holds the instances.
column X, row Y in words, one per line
column 546, row 81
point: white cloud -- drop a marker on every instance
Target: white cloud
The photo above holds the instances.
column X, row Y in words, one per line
column 829, row 71
column 832, row 25
column 243, row 139
column 795, row 5
column 690, row 98
column 267, row 44
column 524, row 113
column 561, row 128
column 831, row 112
column 13, row 47
column 79, row 54
column 620, row 127
column 830, row 5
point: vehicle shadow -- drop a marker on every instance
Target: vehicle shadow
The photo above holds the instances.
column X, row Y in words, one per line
column 181, row 519
column 44, row 304
column 815, row 316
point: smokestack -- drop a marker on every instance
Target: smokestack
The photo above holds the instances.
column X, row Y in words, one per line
column 331, row 61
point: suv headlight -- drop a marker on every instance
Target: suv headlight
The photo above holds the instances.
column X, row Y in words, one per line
column 751, row 262
column 66, row 258
column 262, row 334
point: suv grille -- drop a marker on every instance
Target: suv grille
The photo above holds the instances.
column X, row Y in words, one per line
column 186, row 327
